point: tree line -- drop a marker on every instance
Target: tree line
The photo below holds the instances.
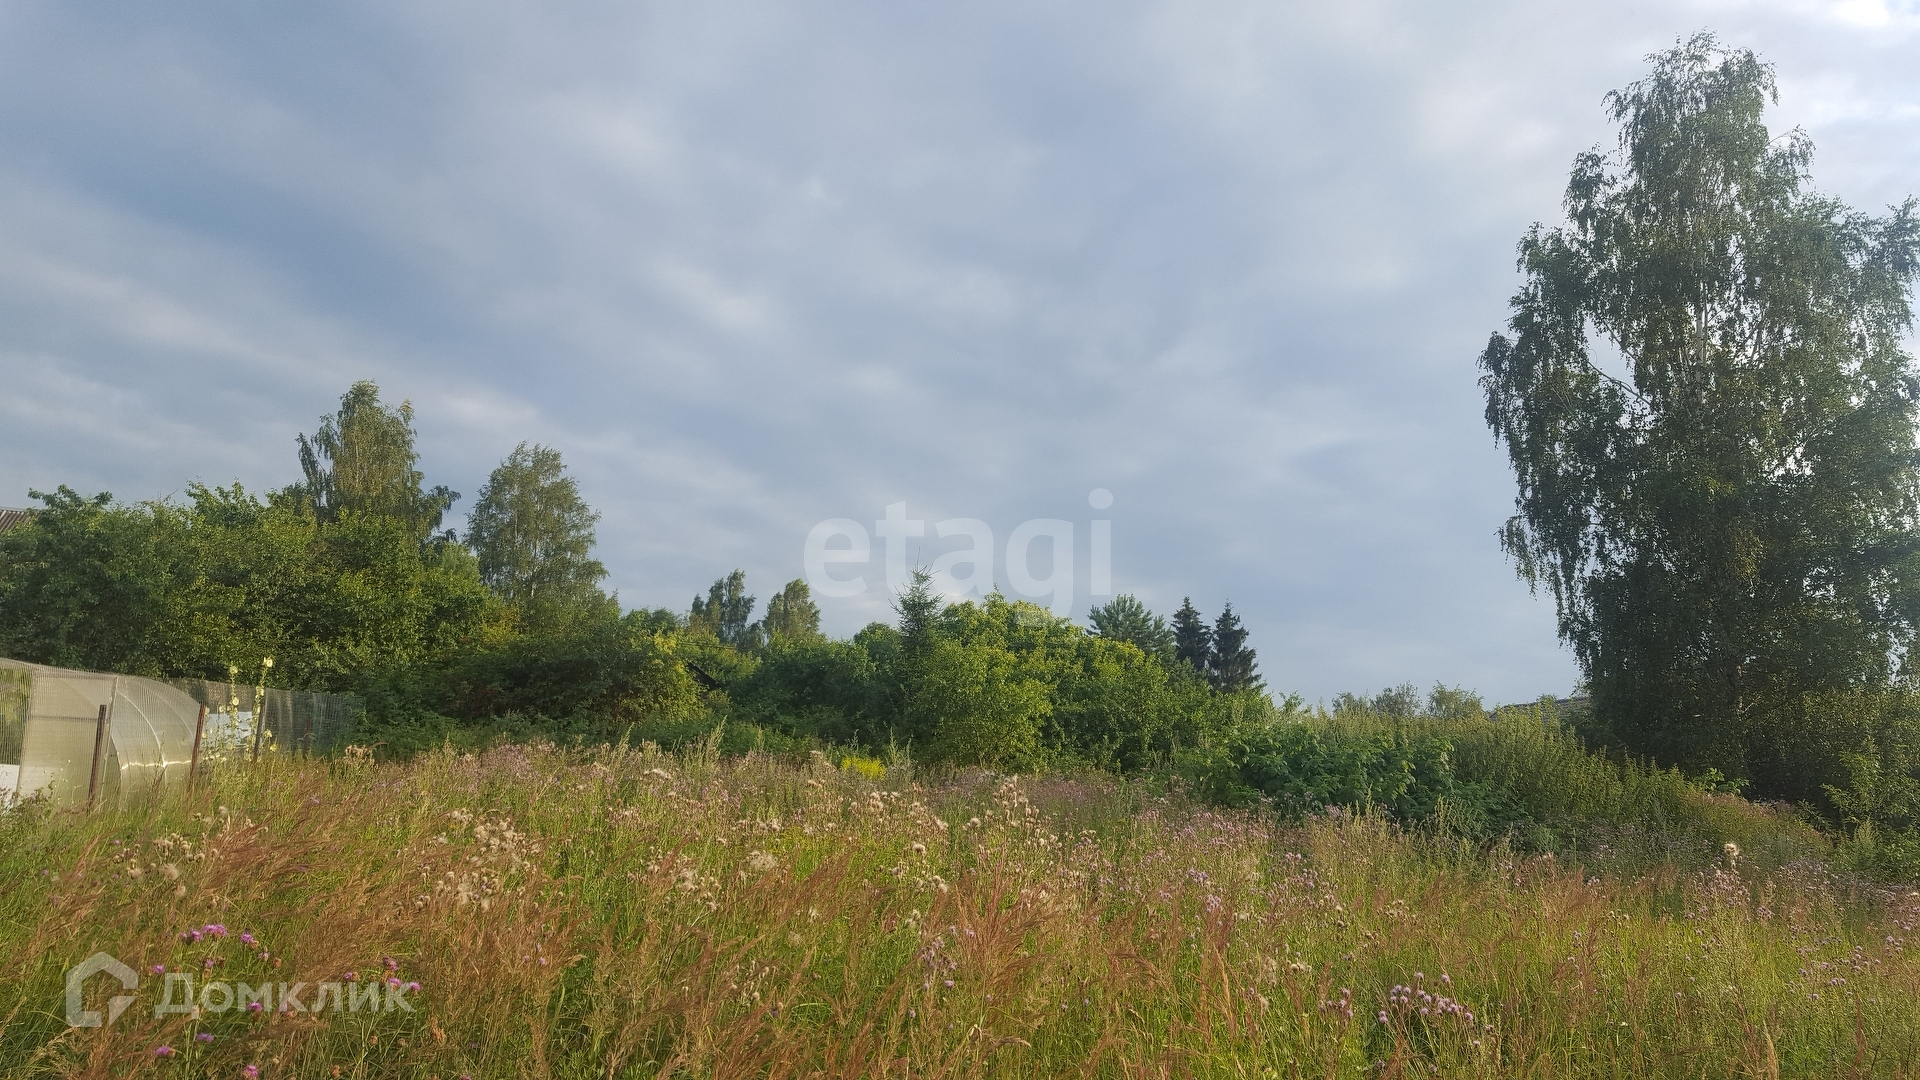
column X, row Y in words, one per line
column 350, row 580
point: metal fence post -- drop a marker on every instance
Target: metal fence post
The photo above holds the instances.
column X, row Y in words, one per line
column 193, row 763
column 99, row 751
column 259, row 721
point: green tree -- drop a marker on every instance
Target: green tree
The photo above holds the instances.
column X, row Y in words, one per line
column 169, row 590
column 725, row 613
column 1728, row 519
column 792, row 615
column 1125, row 618
column 1192, row 639
column 534, row 535
column 88, row 583
column 1230, row 665
column 1401, row 702
column 362, row 460
column 979, row 706
column 1454, row 703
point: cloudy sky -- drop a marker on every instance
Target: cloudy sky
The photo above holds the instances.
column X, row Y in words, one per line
column 752, row 266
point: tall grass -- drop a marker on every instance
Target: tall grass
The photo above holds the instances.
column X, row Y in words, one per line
column 647, row 914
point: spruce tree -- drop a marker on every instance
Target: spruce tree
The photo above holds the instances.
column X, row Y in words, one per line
column 1230, row 665
column 1192, row 640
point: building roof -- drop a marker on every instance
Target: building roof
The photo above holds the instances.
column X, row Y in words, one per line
column 10, row 517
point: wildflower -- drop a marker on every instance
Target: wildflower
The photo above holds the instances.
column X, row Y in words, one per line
column 171, row 873
column 392, row 964
column 246, row 939
column 163, row 1051
column 254, row 1006
column 205, row 1037
column 251, row 1072
column 411, row 987
column 158, row 969
column 919, row 848
column 352, row 976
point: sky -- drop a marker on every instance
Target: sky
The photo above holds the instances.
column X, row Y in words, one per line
column 752, row 267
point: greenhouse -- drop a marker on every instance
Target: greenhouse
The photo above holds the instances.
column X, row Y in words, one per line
column 83, row 737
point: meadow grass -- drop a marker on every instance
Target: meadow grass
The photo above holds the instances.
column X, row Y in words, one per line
column 638, row 913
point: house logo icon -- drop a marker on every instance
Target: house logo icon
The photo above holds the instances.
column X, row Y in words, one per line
column 80, row 1017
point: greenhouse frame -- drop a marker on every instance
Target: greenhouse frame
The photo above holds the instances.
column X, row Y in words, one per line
column 93, row 738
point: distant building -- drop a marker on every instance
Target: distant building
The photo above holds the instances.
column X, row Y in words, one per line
column 10, row 517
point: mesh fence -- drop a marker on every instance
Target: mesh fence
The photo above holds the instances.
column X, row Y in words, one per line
column 290, row 721
column 100, row 737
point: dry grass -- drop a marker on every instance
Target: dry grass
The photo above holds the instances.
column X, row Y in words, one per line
column 640, row 914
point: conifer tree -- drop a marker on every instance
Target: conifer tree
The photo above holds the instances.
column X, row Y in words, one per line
column 1192, row 640
column 1230, row 665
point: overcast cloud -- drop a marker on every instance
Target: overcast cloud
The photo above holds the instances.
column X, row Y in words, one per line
column 752, row 266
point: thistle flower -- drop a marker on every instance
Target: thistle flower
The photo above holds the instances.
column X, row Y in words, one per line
column 163, row 1051
column 251, row 1072
column 246, row 939
column 205, row 1037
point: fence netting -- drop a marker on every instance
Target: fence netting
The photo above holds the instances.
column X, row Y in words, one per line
column 87, row 736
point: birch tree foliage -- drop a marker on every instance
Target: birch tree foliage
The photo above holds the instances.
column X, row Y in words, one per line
column 1709, row 410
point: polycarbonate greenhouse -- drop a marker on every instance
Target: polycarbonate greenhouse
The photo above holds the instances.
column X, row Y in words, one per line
column 89, row 737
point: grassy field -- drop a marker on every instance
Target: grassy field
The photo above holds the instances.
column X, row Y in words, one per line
column 549, row 913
